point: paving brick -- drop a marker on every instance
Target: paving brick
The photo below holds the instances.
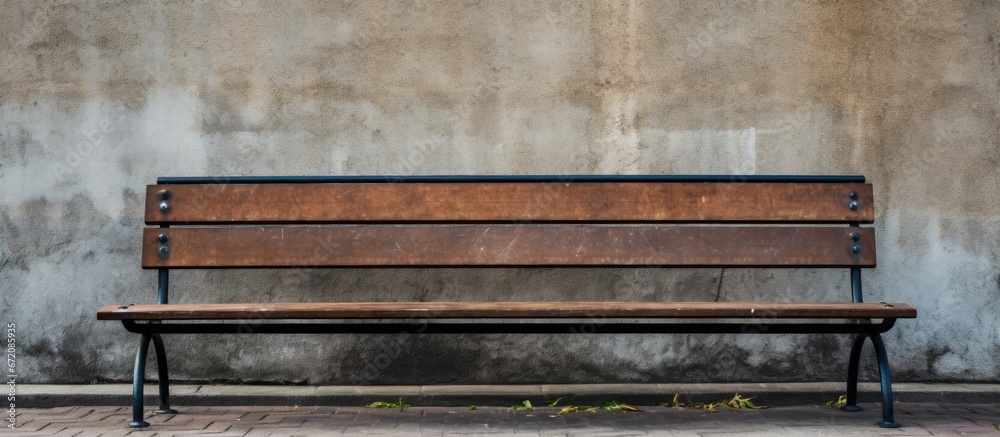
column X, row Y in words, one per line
column 918, row 420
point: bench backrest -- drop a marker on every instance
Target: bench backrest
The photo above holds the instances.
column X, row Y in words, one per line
column 509, row 221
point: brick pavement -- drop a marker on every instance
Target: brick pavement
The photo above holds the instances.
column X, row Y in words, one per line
column 917, row 420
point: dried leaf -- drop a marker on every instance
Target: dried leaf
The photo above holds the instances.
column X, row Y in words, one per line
column 839, row 402
column 736, row 402
column 568, row 409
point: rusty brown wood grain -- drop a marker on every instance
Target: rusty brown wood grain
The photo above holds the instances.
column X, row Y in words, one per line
column 509, row 245
column 497, row 202
column 398, row 310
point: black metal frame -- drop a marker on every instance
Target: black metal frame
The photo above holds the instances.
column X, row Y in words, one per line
column 513, row 326
column 163, row 289
column 861, row 328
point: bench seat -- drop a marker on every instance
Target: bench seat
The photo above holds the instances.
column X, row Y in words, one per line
column 450, row 310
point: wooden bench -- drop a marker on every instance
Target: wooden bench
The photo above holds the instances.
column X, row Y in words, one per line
column 504, row 221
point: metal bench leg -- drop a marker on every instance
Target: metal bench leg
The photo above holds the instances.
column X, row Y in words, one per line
column 888, row 421
column 161, row 365
column 852, row 373
column 137, row 379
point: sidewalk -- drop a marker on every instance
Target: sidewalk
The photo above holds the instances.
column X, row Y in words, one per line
column 916, row 418
column 795, row 409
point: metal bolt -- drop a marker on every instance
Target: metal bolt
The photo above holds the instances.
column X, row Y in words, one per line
column 163, row 238
column 856, row 249
column 123, row 307
column 164, row 197
column 855, row 236
column 853, row 205
column 163, row 251
column 853, row 195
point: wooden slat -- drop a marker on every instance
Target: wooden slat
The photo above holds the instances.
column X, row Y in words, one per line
column 509, row 245
column 510, row 201
column 405, row 310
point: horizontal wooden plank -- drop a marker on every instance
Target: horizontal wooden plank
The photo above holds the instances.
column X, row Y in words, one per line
column 397, row 179
column 448, row 310
column 508, row 245
column 509, row 201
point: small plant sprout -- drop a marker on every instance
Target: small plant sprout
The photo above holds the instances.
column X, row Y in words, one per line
column 400, row 405
column 615, row 407
column 523, row 406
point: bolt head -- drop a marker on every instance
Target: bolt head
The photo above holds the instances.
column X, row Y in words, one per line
column 853, row 205
column 163, row 250
column 164, row 206
column 853, row 195
column 163, row 238
column 856, row 249
column 855, row 236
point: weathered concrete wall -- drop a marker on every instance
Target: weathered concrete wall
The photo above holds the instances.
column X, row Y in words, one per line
column 99, row 98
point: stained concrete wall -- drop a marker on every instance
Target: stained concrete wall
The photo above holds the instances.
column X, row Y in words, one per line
column 97, row 99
